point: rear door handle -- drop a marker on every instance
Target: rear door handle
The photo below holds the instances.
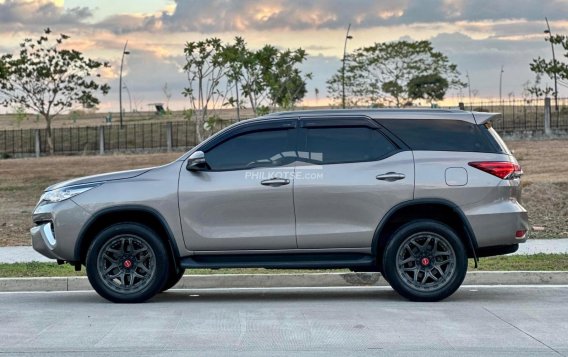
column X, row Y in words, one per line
column 275, row 182
column 391, row 176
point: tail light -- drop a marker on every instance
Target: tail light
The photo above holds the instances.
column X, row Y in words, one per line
column 503, row 169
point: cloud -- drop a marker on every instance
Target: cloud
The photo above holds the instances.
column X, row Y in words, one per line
column 478, row 35
column 145, row 73
column 318, row 48
column 226, row 15
column 483, row 59
column 124, row 23
column 20, row 13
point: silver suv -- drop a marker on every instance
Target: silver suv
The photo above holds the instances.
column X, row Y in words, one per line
column 409, row 193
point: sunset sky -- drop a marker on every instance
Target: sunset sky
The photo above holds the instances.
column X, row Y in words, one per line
column 478, row 35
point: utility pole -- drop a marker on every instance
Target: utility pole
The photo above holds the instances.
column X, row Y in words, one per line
column 347, row 37
column 124, row 52
column 547, row 31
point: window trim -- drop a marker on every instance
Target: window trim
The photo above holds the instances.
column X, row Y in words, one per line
column 276, row 125
column 307, row 123
column 289, row 122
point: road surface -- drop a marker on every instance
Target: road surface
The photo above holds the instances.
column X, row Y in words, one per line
column 359, row 321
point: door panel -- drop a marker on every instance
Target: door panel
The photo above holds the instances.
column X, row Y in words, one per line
column 342, row 207
column 233, row 210
column 351, row 175
column 243, row 197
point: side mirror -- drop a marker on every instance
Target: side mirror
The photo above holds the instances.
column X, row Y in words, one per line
column 196, row 162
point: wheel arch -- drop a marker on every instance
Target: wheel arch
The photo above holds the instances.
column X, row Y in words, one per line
column 125, row 213
column 440, row 210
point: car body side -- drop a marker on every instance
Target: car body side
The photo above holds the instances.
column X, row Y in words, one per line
column 489, row 205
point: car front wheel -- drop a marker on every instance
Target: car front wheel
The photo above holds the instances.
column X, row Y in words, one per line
column 127, row 263
column 425, row 261
column 174, row 278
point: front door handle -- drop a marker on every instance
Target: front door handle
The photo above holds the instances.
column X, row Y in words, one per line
column 391, row 176
column 275, row 182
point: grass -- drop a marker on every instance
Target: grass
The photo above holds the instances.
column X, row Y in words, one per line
column 538, row 262
column 545, row 184
column 10, row 122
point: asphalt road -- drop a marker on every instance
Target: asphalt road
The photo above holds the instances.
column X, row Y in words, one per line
column 476, row 321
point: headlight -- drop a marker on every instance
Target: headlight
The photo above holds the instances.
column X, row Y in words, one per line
column 64, row 193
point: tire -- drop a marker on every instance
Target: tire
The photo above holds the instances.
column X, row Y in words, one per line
column 175, row 276
column 425, row 260
column 127, row 263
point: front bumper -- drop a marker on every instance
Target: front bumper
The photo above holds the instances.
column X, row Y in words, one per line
column 58, row 226
column 43, row 240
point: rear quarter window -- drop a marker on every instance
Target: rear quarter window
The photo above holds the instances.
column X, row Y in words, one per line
column 440, row 135
column 495, row 138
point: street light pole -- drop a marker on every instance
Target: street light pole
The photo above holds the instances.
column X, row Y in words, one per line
column 469, row 89
column 124, row 52
column 554, row 61
column 501, row 85
column 129, row 97
column 347, row 37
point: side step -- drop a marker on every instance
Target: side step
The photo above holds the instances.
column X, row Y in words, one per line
column 279, row 261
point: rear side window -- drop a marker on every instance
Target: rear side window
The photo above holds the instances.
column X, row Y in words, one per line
column 344, row 144
column 439, row 135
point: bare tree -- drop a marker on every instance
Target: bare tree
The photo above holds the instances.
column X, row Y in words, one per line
column 205, row 68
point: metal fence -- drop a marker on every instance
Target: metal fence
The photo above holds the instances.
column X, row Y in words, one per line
column 180, row 135
column 518, row 116
column 523, row 114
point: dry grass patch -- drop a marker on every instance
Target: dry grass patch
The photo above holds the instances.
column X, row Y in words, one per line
column 545, row 185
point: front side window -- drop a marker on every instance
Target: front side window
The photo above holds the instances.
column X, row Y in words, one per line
column 267, row 148
column 345, row 144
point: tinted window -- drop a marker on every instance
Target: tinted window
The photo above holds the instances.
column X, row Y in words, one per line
column 256, row 149
column 439, row 135
column 495, row 138
column 336, row 145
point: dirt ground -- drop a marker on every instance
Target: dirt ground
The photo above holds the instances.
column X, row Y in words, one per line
column 545, row 184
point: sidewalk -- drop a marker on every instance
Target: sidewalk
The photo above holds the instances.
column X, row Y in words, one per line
column 26, row 254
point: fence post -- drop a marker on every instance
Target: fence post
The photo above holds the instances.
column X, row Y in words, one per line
column 101, row 140
column 37, row 144
column 169, row 135
column 547, row 111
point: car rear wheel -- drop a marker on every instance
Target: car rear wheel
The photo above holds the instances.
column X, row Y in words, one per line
column 127, row 263
column 425, row 261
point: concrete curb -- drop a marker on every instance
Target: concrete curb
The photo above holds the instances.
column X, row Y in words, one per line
column 289, row 280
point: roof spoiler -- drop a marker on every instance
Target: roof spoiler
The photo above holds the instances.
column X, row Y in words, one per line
column 482, row 118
